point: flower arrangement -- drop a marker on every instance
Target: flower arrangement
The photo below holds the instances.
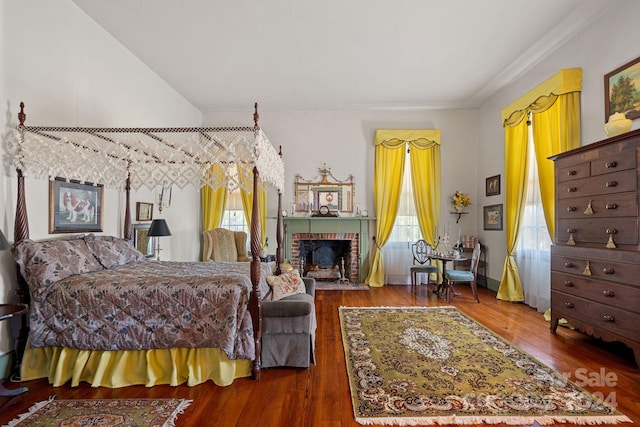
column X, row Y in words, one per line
column 460, row 200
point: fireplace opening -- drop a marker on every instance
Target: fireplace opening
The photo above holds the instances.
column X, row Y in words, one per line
column 326, row 259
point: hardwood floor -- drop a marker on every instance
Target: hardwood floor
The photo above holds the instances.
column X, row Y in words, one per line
column 319, row 396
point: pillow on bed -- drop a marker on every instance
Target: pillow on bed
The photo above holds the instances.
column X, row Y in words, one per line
column 286, row 284
column 46, row 262
column 113, row 251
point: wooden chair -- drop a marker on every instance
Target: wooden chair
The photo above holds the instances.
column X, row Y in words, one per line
column 421, row 262
column 456, row 276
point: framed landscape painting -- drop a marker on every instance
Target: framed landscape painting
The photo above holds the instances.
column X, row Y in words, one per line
column 622, row 91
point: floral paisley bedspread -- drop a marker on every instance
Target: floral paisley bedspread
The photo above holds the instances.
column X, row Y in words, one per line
column 148, row 305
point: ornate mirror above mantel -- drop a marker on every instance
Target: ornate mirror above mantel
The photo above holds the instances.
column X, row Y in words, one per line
column 324, row 191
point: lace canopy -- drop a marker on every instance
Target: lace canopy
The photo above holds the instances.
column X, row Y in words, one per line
column 150, row 156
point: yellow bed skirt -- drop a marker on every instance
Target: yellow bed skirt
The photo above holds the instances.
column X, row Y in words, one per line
column 115, row 369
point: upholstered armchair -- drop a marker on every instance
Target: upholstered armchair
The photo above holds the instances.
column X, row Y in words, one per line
column 224, row 245
column 289, row 329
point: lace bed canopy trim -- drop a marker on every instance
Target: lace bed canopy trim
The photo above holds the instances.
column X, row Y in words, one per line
column 213, row 156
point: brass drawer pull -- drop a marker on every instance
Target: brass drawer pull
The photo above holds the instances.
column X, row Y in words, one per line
column 611, row 206
column 568, row 264
column 608, row 318
column 611, row 231
column 610, row 184
column 571, row 172
column 571, row 208
column 568, row 304
column 610, row 165
column 608, row 293
column 607, row 270
column 571, row 230
column 568, row 284
column 572, row 190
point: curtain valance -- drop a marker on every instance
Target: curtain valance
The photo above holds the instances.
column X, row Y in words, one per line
column 542, row 96
column 419, row 138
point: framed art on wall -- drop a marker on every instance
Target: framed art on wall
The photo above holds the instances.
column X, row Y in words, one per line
column 492, row 186
column 144, row 211
column 75, row 207
column 622, row 91
column 142, row 241
column 492, row 217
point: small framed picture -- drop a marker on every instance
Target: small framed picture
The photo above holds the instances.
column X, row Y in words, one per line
column 492, row 186
column 492, row 217
column 75, row 207
column 142, row 241
column 621, row 90
column 144, row 211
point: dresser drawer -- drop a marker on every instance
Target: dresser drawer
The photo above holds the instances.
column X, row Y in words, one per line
column 610, row 270
column 572, row 172
column 617, row 295
column 613, row 319
column 620, row 161
column 605, row 205
column 596, row 230
column 616, row 182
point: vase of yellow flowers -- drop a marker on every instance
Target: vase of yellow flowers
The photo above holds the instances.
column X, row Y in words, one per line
column 459, row 201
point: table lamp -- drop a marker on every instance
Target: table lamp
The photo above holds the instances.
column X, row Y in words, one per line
column 158, row 228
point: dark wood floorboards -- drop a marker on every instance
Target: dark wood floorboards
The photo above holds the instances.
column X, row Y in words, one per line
column 319, row 396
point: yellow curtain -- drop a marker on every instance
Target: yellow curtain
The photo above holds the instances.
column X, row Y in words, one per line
column 387, row 184
column 245, row 172
column 516, row 143
column 213, row 202
column 555, row 105
column 425, row 176
column 389, row 167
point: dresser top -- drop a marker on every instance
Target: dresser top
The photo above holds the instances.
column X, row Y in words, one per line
column 634, row 134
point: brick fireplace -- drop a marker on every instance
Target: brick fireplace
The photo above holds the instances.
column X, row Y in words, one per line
column 318, row 249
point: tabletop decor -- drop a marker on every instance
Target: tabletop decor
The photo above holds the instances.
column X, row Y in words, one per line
column 103, row 412
column 435, row 365
column 459, row 201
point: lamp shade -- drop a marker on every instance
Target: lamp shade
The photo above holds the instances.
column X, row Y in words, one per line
column 4, row 245
column 159, row 228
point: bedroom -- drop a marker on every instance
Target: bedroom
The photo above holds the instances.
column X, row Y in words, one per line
column 76, row 87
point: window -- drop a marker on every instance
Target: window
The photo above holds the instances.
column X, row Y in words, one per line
column 233, row 218
column 533, row 253
column 406, row 230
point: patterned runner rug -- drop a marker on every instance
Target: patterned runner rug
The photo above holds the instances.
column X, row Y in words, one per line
column 330, row 286
column 103, row 412
column 435, row 365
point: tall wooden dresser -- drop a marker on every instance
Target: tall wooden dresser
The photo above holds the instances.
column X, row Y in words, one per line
column 595, row 259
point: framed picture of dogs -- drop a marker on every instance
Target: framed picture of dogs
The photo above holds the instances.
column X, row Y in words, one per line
column 75, row 207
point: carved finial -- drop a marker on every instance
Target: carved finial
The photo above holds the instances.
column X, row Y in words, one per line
column 21, row 115
column 256, row 116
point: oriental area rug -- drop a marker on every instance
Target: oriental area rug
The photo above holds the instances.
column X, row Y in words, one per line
column 103, row 412
column 435, row 365
column 332, row 286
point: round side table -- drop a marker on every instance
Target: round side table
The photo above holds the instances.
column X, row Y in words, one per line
column 7, row 311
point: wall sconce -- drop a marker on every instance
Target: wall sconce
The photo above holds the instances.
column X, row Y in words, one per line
column 158, row 228
column 163, row 198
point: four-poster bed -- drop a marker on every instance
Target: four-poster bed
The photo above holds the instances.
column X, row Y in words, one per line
column 132, row 158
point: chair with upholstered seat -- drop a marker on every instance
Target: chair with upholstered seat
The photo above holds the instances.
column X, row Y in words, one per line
column 463, row 276
column 421, row 262
column 224, row 245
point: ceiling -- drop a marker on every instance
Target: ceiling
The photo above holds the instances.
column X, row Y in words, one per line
column 223, row 55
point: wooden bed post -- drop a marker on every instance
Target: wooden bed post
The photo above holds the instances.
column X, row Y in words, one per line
column 128, row 226
column 21, row 232
column 254, row 301
column 279, row 228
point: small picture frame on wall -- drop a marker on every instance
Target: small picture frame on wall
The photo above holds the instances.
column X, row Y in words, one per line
column 622, row 91
column 492, row 215
column 144, row 211
column 492, row 186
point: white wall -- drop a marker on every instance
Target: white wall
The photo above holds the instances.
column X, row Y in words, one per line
column 344, row 141
column 69, row 72
column 604, row 46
